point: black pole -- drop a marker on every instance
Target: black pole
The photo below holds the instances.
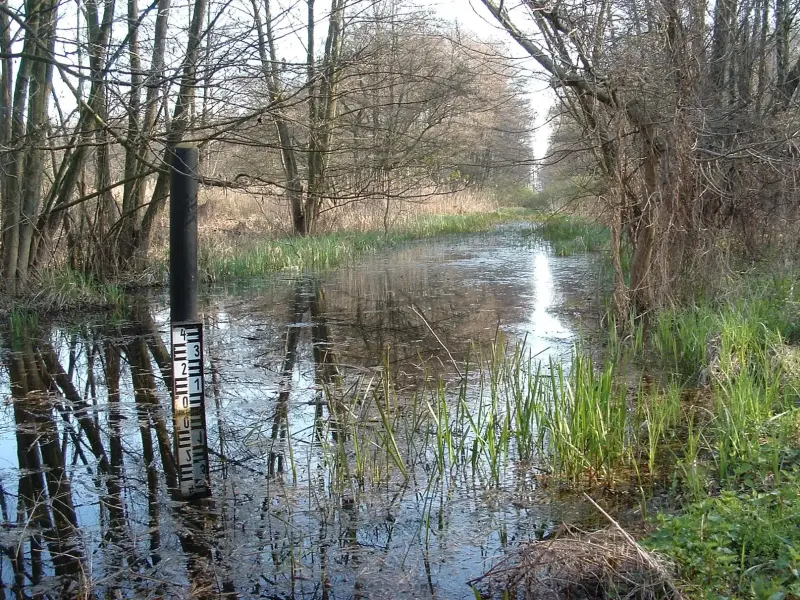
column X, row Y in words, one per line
column 188, row 386
column 183, row 233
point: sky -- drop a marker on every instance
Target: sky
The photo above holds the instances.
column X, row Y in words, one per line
column 473, row 15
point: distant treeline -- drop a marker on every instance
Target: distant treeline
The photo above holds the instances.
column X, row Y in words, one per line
column 324, row 105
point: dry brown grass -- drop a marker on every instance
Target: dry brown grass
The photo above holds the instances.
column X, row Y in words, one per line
column 233, row 213
column 608, row 563
column 231, row 221
column 577, row 564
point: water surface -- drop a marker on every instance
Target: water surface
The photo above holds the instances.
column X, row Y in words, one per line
column 86, row 463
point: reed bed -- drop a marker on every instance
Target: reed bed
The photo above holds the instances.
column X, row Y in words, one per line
column 705, row 406
column 571, row 422
column 237, row 213
column 689, row 403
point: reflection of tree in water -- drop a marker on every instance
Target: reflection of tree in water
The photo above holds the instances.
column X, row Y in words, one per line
column 309, row 298
column 51, row 549
column 120, row 445
column 395, row 311
column 45, row 498
column 93, row 421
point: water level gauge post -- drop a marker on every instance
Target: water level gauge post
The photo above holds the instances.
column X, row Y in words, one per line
column 188, row 388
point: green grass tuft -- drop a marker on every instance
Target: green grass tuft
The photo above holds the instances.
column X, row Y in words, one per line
column 69, row 289
column 319, row 252
column 744, row 542
column 573, row 235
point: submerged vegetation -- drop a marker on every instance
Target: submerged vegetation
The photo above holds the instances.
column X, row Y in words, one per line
column 688, row 418
column 704, row 405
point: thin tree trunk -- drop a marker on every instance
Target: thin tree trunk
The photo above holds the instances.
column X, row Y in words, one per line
column 41, row 84
column 321, row 126
column 269, row 66
column 134, row 193
column 73, row 165
column 14, row 159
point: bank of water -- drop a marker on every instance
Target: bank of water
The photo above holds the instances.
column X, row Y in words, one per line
column 325, row 478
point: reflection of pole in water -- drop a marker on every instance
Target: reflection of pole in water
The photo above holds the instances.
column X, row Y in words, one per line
column 197, row 527
column 46, row 403
column 196, row 521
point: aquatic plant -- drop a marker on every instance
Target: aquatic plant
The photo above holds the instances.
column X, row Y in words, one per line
column 740, row 544
column 586, row 420
column 61, row 290
column 572, row 235
column 22, row 322
column 659, row 415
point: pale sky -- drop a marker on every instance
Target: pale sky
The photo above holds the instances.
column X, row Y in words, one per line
column 473, row 15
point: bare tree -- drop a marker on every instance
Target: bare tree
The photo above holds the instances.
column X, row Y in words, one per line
column 92, row 101
column 692, row 144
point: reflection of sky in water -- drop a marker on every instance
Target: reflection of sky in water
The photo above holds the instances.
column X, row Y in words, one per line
column 465, row 288
column 545, row 330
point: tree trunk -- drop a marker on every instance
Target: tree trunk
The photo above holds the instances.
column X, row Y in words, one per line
column 74, row 162
column 641, row 266
column 40, row 87
column 324, row 113
column 14, row 159
column 130, row 194
column 269, row 62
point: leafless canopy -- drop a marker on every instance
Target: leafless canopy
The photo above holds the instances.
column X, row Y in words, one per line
column 322, row 104
column 689, row 109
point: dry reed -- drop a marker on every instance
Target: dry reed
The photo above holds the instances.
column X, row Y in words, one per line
column 234, row 213
column 578, row 564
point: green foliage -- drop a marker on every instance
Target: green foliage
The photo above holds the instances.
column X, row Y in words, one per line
column 572, row 235
column 20, row 320
column 659, row 415
column 586, row 420
column 741, row 544
column 22, row 324
column 318, row 252
column 527, row 198
column 679, row 338
column 741, row 440
column 755, row 317
column 574, row 419
column 60, row 290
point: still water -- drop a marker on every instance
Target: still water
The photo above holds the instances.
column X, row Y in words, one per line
column 302, row 506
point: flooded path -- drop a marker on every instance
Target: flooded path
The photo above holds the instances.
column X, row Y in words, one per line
column 324, row 484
